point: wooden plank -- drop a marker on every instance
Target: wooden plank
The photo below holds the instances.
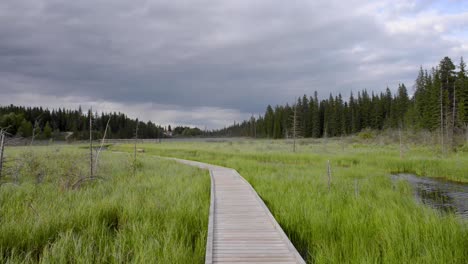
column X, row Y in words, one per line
column 209, row 239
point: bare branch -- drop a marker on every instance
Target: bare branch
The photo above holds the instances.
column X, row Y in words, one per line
column 36, row 126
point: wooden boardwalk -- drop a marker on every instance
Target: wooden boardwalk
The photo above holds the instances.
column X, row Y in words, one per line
column 241, row 228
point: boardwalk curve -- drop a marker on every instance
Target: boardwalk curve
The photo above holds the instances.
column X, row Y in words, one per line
column 241, row 229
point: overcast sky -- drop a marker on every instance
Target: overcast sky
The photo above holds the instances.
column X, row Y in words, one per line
column 211, row 62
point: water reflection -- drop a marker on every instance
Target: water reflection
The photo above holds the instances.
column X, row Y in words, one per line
column 443, row 195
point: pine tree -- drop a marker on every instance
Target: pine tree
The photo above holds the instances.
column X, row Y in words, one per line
column 269, row 121
column 462, row 93
column 25, row 129
column 315, row 116
column 47, row 132
column 402, row 103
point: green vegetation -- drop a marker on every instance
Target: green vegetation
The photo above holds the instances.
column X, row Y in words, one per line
column 440, row 100
column 377, row 222
column 48, row 215
column 20, row 121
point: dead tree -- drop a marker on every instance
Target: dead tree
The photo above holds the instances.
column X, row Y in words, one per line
column 453, row 117
column 135, row 149
column 90, row 143
column 35, row 128
column 2, row 144
column 3, row 134
column 295, row 129
column 102, row 144
column 441, row 119
column 401, row 140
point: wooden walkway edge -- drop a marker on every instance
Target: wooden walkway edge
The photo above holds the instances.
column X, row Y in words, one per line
column 241, row 229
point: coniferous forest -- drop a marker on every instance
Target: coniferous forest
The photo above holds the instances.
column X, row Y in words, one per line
column 439, row 99
column 24, row 121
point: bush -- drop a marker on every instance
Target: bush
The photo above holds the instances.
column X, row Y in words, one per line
column 366, row 134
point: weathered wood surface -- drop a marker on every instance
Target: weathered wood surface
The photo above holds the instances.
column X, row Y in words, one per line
column 241, row 228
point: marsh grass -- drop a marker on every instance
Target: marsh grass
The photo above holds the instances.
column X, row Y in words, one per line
column 158, row 216
column 381, row 224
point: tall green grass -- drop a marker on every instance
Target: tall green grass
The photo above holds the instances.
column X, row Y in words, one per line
column 377, row 222
column 160, row 215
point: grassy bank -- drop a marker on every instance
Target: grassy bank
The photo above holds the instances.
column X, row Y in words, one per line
column 160, row 215
column 364, row 217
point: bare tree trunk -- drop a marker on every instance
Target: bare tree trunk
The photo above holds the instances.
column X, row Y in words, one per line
column 447, row 129
column 2, row 145
column 35, row 128
column 135, row 149
column 294, row 129
column 441, row 120
column 91, row 142
column 102, row 144
column 36, row 125
column 453, row 118
column 255, row 129
column 401, row 142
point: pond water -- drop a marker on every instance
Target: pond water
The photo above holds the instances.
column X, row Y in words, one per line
column 446, row 196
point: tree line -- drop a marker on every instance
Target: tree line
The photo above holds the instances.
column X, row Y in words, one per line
column 26, row 121
column 439, row 103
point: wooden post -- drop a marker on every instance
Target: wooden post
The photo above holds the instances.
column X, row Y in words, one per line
column 91, row 142
column 329, row 175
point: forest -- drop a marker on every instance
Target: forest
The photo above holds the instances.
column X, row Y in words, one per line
column 44, row 123
column 437, row 103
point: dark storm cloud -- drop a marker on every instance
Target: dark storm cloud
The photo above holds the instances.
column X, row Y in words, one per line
column 215, row 55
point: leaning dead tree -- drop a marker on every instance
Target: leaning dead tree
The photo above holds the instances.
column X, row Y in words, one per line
column 102, row 144
column 3, row 134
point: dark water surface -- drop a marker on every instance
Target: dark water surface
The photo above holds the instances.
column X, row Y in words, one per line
column 446, row 196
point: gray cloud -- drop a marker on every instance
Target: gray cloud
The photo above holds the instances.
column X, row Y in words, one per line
column 229, row 57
